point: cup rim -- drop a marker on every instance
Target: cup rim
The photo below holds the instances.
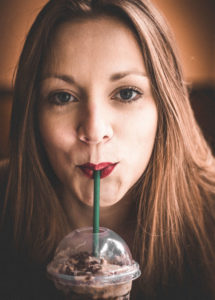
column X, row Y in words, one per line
column 132, row 273
column 89, row 230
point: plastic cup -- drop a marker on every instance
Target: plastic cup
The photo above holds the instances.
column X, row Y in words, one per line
column 80, row 275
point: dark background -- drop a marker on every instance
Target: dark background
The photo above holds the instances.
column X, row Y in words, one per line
column 192, row 21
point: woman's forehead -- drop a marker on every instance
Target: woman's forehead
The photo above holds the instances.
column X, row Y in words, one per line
column 99, row 42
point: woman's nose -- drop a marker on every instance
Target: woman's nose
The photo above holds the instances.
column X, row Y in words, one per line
column 95, row 126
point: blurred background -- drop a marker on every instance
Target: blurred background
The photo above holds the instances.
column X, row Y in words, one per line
column 193, row 24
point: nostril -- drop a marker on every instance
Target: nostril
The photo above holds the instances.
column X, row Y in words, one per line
column 85, row 138
column 91, row 140
column 94, row 134
column 106, row 137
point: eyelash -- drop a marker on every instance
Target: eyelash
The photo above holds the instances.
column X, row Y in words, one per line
column 130, row 89
column 52, row 96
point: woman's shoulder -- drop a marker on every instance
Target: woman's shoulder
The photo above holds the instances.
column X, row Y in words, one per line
column 4, row 165
column 3, row 180
column 3, row 174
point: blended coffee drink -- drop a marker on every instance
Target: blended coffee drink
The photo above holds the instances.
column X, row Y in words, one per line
column 81, row 275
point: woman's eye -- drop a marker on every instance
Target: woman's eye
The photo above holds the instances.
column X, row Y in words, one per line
column 128, row 95
column 62, row 98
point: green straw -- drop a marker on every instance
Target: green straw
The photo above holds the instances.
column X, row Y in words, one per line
column 96, row 205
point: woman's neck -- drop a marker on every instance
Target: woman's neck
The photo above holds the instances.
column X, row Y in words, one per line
column 120, row 217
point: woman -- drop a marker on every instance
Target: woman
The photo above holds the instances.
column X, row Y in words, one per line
column 99, row 83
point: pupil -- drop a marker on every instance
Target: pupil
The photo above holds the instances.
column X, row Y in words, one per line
column 64, row 97
column 126, row 94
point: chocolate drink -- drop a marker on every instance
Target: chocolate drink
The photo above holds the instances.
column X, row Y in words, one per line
column 81, row 275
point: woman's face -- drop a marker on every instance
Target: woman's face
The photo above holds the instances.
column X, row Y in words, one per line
column 97, row 109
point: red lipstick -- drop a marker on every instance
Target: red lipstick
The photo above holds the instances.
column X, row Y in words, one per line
column 105, row 167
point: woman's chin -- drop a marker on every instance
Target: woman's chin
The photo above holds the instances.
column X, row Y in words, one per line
column 104, row 202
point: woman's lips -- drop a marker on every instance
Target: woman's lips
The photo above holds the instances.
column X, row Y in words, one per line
column 105, row 169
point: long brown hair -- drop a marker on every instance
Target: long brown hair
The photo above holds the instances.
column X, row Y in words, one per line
column 176, row 191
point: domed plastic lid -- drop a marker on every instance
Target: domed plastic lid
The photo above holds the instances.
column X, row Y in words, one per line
column 75, row 262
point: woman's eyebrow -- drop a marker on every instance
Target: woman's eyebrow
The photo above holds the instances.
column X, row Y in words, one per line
column 116, row 76
column 121, row 75
column 66, row 78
